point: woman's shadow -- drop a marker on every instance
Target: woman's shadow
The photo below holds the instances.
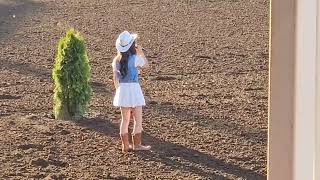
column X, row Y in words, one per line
column 173, row 155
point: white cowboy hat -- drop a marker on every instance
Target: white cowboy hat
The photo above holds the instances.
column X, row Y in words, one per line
column 125, row 40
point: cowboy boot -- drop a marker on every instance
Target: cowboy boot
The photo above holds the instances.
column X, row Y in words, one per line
column 136, row 141
column 125, row 142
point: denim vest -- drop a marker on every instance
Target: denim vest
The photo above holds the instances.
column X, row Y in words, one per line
column 132, row 74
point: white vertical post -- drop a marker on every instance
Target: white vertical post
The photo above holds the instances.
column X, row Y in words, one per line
column 281, row 90
column 305, row 85
column 317, row 153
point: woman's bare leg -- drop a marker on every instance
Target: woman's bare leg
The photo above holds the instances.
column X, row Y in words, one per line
column 137, row 117
column 137, row 129
column 125, row 114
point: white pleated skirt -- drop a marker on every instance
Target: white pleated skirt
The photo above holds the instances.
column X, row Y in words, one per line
column 129, row 95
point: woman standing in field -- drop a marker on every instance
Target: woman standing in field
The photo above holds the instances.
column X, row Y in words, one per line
column 129, row 96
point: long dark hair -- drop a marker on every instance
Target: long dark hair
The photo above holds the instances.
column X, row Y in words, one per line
column 124, row 59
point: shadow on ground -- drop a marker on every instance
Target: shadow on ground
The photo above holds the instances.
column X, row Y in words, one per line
column 191, row 114
column 168, row 153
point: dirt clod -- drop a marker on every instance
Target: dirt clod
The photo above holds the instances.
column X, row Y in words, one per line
column 39, row 162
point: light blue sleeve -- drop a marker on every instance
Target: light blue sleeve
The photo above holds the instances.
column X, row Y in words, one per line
column 139, row 61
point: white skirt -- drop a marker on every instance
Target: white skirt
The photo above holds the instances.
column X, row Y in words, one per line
column 129, row 95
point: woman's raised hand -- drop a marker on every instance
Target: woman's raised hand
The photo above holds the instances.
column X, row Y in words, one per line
column 139, row 48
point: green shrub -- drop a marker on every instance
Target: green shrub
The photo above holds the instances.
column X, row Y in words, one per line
column 71, row 74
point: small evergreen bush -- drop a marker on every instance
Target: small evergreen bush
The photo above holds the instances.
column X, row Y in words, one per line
column 71, row 74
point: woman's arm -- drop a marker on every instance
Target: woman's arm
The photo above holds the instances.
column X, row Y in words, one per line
column 115, row 72
column 115, row 80
column 141, row 54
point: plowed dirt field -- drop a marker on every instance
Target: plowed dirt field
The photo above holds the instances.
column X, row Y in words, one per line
column 206, row 90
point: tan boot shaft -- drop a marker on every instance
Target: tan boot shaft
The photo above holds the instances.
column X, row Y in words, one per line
column 125, row 142
column 136, row 139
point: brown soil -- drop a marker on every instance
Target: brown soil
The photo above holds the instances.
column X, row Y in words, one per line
column 207, row 90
